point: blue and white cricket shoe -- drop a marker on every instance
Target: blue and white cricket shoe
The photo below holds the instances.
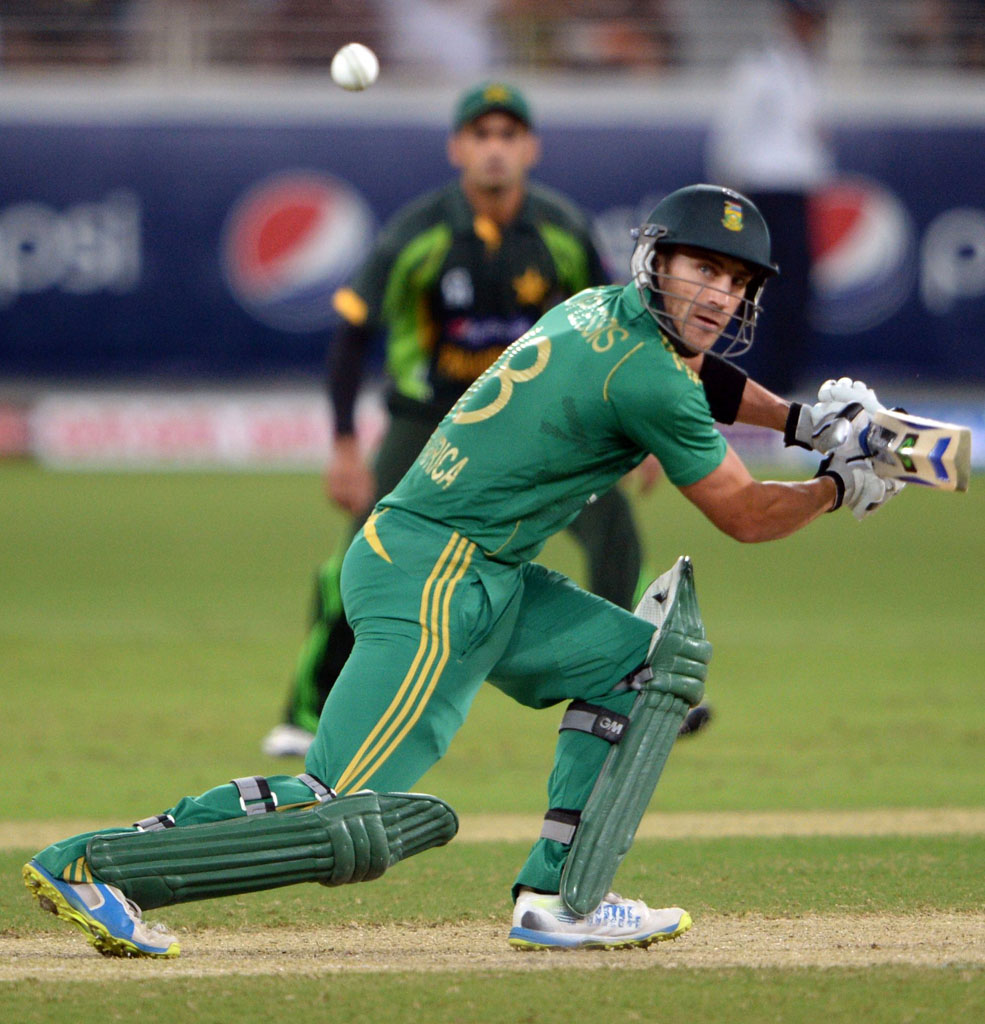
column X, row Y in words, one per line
column 544, row 922
column 110, row 921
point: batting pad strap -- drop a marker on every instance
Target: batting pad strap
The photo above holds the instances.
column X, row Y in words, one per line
column 560, row 825
column 594, row 719
column 255, row 795
column 155, row 823
column 317, row 787
column 350, row 839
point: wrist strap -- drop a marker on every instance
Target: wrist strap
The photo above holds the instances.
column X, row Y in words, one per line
column 839, row 483
column 790, row 430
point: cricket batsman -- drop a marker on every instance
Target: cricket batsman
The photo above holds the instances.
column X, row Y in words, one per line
column 455, row 276
column 442, row 594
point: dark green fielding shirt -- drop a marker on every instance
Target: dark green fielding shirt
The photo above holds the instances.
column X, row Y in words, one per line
column 570, row 407
column 451, row 290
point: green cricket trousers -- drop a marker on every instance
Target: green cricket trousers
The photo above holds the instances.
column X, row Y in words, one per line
column 433, row 619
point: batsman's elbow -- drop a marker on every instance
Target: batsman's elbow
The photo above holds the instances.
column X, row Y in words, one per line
column 746, row 530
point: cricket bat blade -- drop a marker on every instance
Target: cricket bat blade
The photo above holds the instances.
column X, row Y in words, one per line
column 920, row 450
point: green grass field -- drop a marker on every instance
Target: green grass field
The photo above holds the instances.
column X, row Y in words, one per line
column 148, row 625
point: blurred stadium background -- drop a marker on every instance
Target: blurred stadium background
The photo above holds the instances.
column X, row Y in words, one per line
column 183, row 188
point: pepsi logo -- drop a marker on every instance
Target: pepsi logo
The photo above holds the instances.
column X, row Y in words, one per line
column 864, row 254
column 290, row 242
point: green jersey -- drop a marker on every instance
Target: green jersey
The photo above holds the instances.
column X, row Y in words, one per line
column 570, row 407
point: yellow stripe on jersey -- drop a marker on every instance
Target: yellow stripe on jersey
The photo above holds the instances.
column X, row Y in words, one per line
column 405, row 696
column 605, row 386
column 492, row 554
column 373, row 538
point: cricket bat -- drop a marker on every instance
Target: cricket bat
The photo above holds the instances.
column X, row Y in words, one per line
column 920, row 450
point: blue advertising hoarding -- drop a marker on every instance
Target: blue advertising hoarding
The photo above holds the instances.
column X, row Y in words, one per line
column 191, row 250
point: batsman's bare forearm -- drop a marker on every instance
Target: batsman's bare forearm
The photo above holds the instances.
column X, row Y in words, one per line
column 752, row 511
column 761, row 408
column 779, row 508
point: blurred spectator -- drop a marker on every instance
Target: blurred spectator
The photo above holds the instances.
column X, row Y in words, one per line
column 62, row 32
column 602, row 35
column 453, row 39
column 450, row 39
column 291, row 34
column 942, row 33
column 766, row 140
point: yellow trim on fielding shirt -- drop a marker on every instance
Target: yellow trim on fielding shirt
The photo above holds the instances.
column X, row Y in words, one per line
column 350, row 306
column 488, row 230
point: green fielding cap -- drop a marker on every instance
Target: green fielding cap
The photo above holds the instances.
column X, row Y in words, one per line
column 490, row 96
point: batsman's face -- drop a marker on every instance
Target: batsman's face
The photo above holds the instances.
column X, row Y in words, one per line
column 701, row 292
column 494, row 153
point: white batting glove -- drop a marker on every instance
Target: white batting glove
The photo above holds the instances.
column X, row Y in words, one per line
column 820, row 427
column 833, row 420
column 826, row 426
column 846, row 390
column 858, row 486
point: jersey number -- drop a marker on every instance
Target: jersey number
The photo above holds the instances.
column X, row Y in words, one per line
column 507, row 378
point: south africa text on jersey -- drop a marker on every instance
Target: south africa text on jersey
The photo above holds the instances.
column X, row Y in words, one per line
column 441, row 461
column 589, row 315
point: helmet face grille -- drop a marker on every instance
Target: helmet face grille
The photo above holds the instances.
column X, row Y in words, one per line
column 737, row 336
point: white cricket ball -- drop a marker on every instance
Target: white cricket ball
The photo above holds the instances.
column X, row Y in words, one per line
column 355, row 67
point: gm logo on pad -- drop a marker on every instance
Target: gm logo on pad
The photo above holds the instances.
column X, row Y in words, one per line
column 290, row 242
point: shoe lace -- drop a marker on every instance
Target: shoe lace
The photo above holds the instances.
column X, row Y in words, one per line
column 158, row 927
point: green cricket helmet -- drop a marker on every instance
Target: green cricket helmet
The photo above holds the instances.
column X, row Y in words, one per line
column 718, row 220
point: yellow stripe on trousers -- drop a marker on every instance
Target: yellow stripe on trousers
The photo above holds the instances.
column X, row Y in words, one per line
column 358, row 761
column 429, row 662
column 444, row 645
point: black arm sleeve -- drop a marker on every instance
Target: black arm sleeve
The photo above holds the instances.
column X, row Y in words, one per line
column 724, row 383
column 345, row 371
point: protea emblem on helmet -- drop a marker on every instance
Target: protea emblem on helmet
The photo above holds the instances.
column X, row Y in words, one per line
column 732, row 217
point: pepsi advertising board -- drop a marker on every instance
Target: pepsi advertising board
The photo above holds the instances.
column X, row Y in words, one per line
column 209, row 251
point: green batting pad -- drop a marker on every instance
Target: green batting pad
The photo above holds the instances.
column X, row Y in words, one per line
column 679, row 662
column 349, row 839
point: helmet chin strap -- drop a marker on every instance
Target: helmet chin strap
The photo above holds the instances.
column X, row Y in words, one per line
column 645, row 278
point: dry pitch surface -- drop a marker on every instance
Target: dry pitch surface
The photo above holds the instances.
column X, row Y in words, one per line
column 937, row 940
column 748, row 940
